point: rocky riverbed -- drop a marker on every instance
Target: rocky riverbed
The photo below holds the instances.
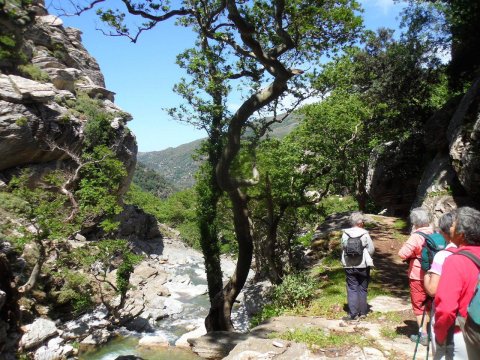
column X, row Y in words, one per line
column 168, row 300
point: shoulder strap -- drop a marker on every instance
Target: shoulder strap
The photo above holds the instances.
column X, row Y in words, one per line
column 469, row 255
column 426, row 236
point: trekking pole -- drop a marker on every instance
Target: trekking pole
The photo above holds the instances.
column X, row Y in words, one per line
column 429, row 327
column 419, row 333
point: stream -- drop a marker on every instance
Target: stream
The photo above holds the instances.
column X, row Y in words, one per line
column 195, row 309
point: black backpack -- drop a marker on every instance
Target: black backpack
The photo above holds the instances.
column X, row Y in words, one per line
column 353, row 246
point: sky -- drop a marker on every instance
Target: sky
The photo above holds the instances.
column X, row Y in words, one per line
column 143, row 74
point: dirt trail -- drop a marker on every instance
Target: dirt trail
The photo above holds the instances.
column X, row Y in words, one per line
column 391, row 271
column 388, row 236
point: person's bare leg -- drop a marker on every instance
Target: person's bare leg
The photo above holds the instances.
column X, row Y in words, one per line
column 425, row 322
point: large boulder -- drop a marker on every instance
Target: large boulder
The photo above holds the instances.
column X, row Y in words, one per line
column 216, row 344
column 37, row 332
column 464, row 141
column 135, row 224
column 452, row 178
column 253, row 348
column 394, row 174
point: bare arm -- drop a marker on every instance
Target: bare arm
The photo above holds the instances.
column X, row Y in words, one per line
column 430, row 282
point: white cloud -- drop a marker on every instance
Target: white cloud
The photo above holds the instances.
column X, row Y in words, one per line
column 384, row 6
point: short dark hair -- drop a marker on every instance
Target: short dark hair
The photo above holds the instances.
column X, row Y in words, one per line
column 468, row 224
column 446, row 221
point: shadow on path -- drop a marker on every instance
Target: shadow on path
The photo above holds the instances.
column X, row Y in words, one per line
column 391, row 272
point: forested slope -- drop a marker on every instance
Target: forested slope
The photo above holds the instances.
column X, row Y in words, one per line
column 178, row 165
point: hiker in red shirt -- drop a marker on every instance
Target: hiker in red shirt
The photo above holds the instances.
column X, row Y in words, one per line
column 411, row 252
column 459, row 278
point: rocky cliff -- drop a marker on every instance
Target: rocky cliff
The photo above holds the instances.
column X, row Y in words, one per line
column 38, row 122
column 47, row 82
column 439, row 170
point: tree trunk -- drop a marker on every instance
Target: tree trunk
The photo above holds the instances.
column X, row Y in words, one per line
column 9, row 310
column 37, row 269
column 208, row 195
column 361, row 193
column 274, row 273
column 219, row 318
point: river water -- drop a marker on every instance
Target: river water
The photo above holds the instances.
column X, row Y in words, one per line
column 194, row 311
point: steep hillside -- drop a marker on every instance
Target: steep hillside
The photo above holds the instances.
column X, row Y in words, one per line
column 178, row 166
column 153, row 182
column 175, row 164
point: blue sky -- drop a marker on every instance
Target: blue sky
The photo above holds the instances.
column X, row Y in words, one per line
column 143, row 74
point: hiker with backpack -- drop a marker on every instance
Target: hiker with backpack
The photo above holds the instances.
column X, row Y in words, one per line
column 457, row 300
column 357, row 251
column 411, row 252
column 454, row 347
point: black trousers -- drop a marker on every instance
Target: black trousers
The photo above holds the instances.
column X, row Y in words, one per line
column 357, row 286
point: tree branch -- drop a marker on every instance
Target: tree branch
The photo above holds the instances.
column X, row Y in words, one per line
column 78, row 9
column 157, row 18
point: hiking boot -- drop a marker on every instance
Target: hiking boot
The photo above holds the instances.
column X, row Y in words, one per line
column 350, row 318
column 423, row 339
column 362, row 317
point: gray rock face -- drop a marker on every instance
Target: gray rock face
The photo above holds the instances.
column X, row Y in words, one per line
column 452, row 178
column 434, row 192
column 37, row 332
column 442, row 168
column 35, row 114
column 394, row 174
column 65, row 45
column 137, row 225
column 464, row 141
column 216, row 345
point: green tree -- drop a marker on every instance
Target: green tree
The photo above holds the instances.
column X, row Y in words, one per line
column 393, row 84
column 451, row 27
column 261, row 43
column 44, row 213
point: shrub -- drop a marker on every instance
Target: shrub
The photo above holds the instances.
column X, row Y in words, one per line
column 98, row 187
column 295, row 290
column 33, row 72
column 76, row 290
column 338, row 204
column 21, row 121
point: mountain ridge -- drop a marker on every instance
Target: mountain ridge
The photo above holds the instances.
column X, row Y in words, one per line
column 177, row 165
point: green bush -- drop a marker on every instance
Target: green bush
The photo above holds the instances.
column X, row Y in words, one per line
column 21, row 121
column 306, row 240
column 33, row 72
column 338, row 204
column 101, row 178
column 97, row 130
column 76, row 291
column 267, row 312
column 296, row 290
column 12, row 203
column 177, row 211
